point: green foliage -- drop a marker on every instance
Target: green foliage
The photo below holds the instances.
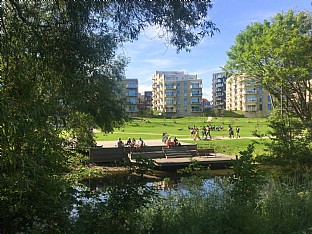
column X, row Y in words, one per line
column 59, row 77
column 141, row 166
column 290, row 149
column 114, row 208
column 246, row 178
column 277, row 54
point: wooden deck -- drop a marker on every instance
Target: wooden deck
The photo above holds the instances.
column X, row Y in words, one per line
column 164, row 158
column 216, row 161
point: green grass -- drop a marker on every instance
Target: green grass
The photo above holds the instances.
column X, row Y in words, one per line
column 152, row 128
column 232, row 146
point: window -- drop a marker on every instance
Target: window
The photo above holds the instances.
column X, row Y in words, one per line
column 269, row 106
column 260, row 90
column 250, row 90
column 169, row 101
column 185, row 100
column 195, row 100
column 132, row 108
column 195, row 93
column 269, row 98
column 196, row 109
column 169, row 86
column 185, row 93
column 131, row 93
column 251, row 108
column 251, row 99
column 251, row 82
column 132, row 100
column 185, row 85
column 260, row 98
column 131, row 84
column 178, row 85
column 260, row 106
column 195, row 85
column 169, row 94
column 178, row 93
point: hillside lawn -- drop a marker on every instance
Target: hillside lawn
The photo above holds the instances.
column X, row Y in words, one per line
column 153, row 128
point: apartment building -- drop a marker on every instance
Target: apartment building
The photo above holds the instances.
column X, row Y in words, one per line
column 130, row 90
column 219, row 91
column 176, row 94
column 148, row 98
column 245, row 94
column 145, row 101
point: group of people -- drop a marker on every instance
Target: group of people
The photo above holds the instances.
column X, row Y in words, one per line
column 133, row 143
column 166, row 139
column 231, row 131
column 206, row 131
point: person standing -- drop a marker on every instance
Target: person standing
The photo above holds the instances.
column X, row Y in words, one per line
column 237, row 132
column 230, row 131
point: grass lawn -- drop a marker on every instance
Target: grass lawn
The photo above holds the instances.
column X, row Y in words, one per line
column 152, row 128
column 232, row 146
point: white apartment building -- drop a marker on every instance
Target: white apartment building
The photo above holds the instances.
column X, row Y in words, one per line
column 176, row 94
column 246, row 95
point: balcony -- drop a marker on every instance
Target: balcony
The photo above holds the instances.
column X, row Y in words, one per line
column 193, row 86
column 196, row 94
column 197, row 110
column 170, row 110
column 171, row 87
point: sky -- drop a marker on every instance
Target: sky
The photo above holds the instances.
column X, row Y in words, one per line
column 149, row 53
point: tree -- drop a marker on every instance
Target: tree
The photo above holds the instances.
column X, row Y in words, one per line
column 59, row 72
column 278, row 55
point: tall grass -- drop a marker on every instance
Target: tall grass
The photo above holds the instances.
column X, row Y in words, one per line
column 281, row 208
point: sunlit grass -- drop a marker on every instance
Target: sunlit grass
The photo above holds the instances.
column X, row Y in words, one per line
column 152, row 128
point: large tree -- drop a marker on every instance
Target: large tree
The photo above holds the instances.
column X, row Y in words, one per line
column 278, row 54
column 59, row 72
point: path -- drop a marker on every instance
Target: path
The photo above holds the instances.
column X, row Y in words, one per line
column 159, row 142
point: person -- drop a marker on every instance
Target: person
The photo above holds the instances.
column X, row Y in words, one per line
column 196, row 136
column 237, row 132
column 164, row 137
column 208, row 132
column 176, row 142
column 140, row 144
column 128, row 142
column 230, row 130
column 119, row 143
column 169, row 143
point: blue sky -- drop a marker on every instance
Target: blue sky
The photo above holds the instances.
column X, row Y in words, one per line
column 150, row 53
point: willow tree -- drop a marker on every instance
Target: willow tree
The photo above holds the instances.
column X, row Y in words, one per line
column 278, row 55
column 59, row 70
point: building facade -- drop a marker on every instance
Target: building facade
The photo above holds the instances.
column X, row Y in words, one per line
column 148, row 99
column 246, row 95
column 130, row 90
column 219, row 91
column 177, row 94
